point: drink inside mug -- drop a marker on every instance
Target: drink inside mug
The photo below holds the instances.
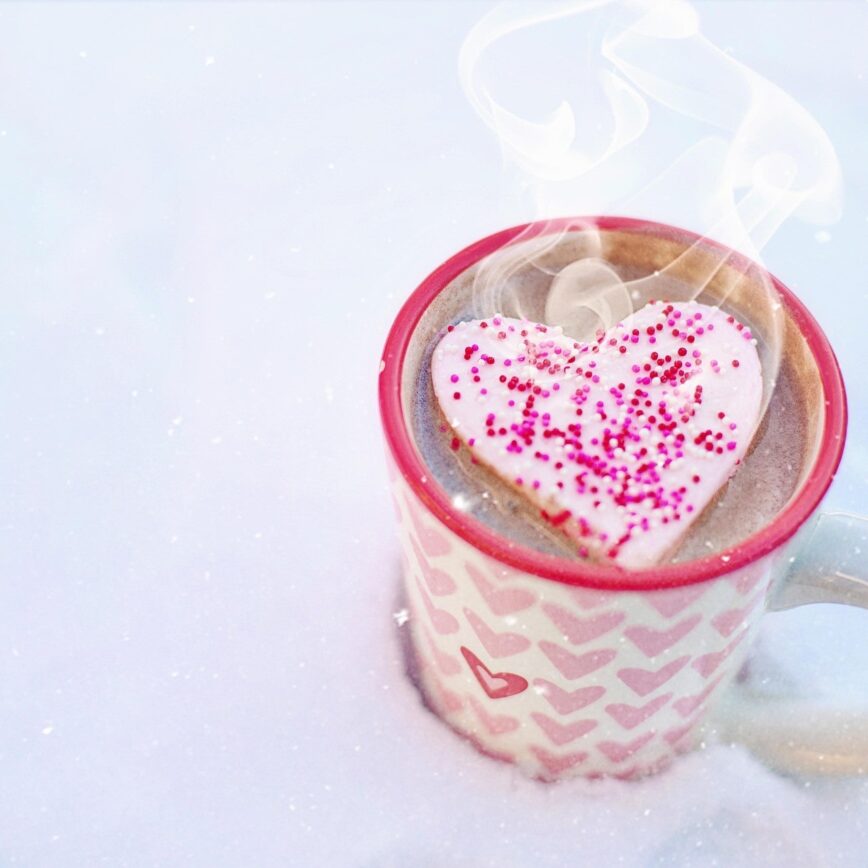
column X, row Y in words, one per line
column 655, row 264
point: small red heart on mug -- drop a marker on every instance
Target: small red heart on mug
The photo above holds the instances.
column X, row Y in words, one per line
column 498, row 685
column 620, row 442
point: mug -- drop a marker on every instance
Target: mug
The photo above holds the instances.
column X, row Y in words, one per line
column 566, row 669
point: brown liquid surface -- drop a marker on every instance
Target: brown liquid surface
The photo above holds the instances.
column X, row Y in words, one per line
column 761, row 486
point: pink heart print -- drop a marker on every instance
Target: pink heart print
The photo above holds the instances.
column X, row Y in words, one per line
column 620, row 442
column 444, row 663
column 442, row 621
column 726, row 623
column 575, row 666
column 563, row 733
column 630, row 716
column 567, row 701
column 557, row 763
column 620, row 751
column 652, row 642
column 433, row 542
column 439, row 583
column 498, row 685
column 578, row 630
column 673, row 601
column 497, row 644
column 496, row 724
column 645, row 681
column 689, row 704
column 707, row 664
column 501, row 601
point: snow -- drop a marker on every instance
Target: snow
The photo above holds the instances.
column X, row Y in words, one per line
column 210, row 215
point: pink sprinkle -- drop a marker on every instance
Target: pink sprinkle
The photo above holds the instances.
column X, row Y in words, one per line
column 731, row 445
column 454, row 378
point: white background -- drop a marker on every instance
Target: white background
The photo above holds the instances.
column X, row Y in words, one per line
column 210, row 214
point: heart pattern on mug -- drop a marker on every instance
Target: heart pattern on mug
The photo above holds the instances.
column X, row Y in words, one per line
column 620, row 680
column 645, row 681
column 563, row 733
column 567, row 701
column 652, row 642
column 590, row 598
column 432, row 541
column 690, row 704
column 498, row 685
column 575, row 666
column 676, row 600
column 439, row 582
column 630, row 716
column 579, row 631
column 498, row 645
column 441, row 620
column 617, row 752
column 445, row 663
column 501, row 601
column 556, row 764
column 727, row 623
column 706, row 664
column 495, row 724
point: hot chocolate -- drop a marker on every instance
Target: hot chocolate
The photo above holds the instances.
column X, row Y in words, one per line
column 767, row 397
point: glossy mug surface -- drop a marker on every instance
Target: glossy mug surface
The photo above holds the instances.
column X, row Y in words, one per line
column 563, row 669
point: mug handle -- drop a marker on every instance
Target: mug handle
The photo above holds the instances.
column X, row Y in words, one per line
column 793, row 734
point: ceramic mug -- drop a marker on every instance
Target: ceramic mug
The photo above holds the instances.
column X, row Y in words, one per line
column 568, row 670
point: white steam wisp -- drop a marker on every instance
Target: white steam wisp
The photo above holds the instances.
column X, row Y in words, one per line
column 647, row 117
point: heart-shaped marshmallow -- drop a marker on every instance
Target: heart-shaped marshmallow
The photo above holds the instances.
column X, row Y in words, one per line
column 620, row 442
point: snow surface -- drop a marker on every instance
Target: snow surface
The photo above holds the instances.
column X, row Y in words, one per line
column 198, row 660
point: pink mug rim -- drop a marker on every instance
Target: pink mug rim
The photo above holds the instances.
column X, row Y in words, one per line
column 557, row 569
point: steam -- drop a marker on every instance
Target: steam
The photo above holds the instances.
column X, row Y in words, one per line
column 640, row 80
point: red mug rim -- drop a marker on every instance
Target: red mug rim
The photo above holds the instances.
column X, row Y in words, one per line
column 558, row 569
